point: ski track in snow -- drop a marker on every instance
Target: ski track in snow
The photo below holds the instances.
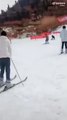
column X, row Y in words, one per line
column 44, row 94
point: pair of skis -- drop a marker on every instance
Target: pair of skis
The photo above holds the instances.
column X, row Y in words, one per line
column 62, row 53
column 20, row 82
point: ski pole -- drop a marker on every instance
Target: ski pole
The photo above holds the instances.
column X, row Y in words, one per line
column 16, row 71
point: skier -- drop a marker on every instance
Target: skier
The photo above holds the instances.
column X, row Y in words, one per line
column 47, row 40
column 53, row 37
column 5, row 55
column 63, row 36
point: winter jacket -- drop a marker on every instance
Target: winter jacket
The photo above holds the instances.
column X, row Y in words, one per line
column 5, row 47
column 63, row 35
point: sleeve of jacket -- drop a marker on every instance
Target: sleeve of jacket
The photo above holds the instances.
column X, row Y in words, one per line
column 9, row 48
column 61, row 34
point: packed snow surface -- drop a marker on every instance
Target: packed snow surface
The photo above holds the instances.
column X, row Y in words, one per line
column 44, row 95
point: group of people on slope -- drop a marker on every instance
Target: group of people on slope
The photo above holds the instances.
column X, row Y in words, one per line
column 63, row 36
column 5, row 55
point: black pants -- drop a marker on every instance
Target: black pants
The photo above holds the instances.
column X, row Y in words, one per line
column 5, row 65
column 64, row 43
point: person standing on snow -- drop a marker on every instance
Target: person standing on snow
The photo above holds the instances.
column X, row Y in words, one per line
column 52, row 37
column 5, row 55
column 63, row 36
column 47, row 40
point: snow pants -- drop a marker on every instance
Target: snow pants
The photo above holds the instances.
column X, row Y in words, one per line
column 64, row 43
column 5, row 66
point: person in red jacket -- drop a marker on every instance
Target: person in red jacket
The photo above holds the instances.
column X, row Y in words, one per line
column 47, row 39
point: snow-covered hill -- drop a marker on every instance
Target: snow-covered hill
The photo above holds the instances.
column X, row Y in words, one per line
column 44, row 94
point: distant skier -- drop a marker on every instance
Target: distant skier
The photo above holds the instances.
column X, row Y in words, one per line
column 5, row 55
column 47, row 39
column 53, row 37
column 63, row 36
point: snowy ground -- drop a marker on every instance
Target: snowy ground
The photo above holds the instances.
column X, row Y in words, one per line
column 44, row 94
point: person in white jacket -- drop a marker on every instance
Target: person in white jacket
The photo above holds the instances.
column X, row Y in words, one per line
column 5, row 55
column 63, row 36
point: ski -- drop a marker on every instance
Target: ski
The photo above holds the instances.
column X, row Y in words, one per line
column 14, row 77
column 63, row 54
column 14, row 85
